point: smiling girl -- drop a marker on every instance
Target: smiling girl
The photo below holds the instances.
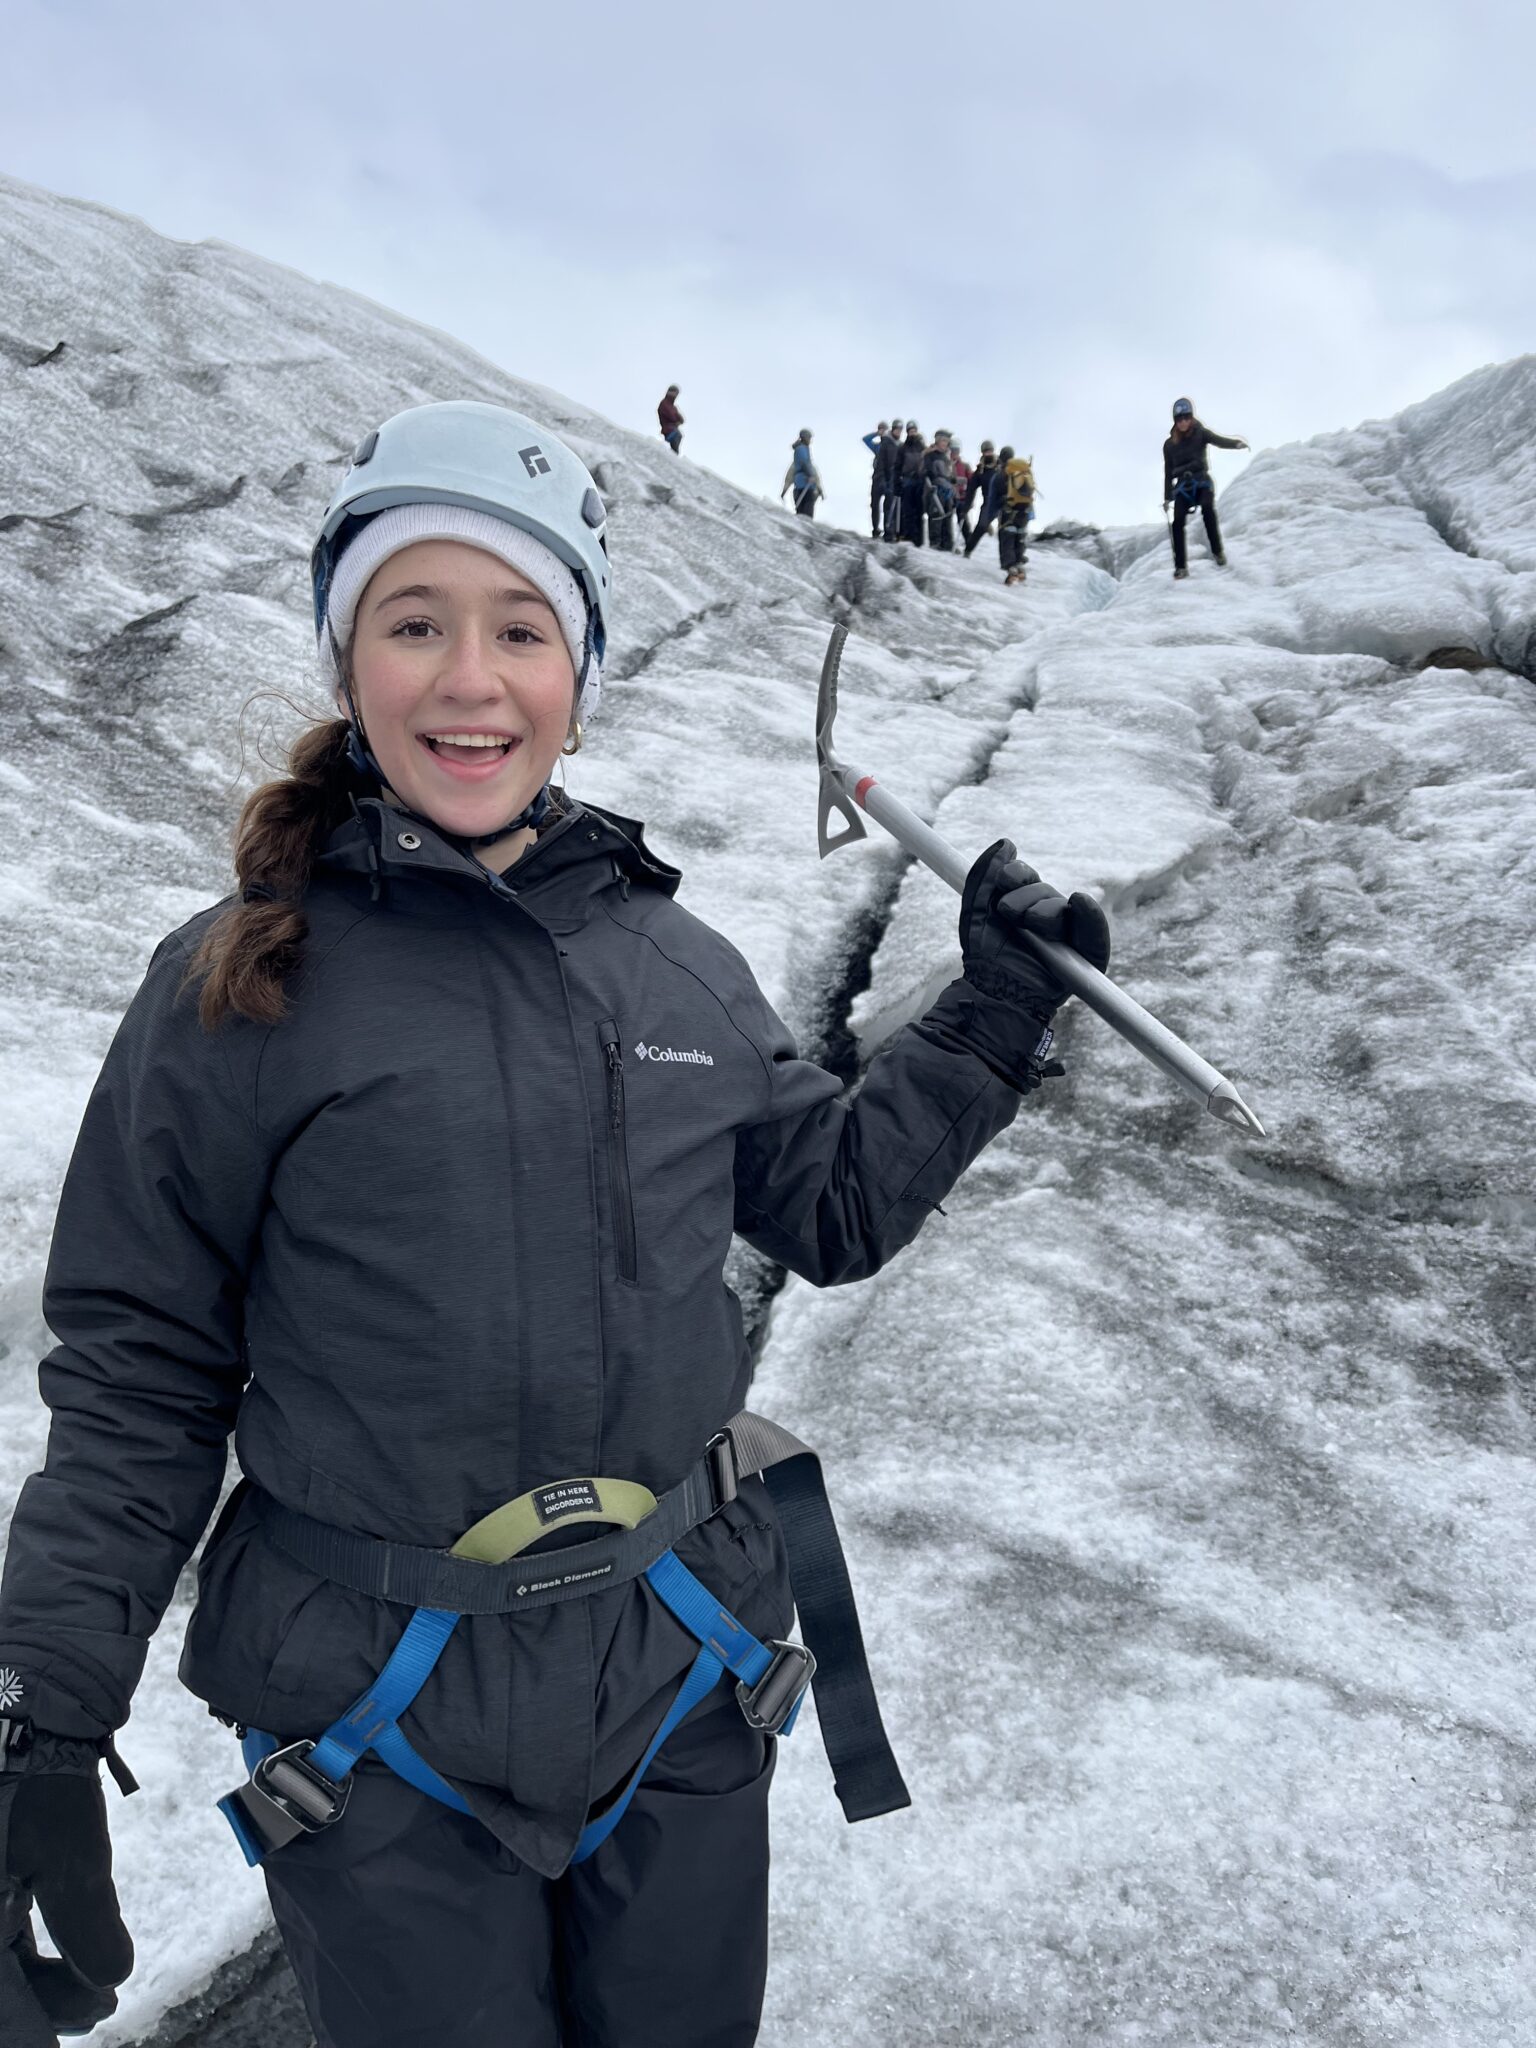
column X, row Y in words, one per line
column 415, row 1164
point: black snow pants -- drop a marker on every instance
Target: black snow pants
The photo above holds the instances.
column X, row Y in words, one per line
column 912, row 514
column 1183, row 504
column 805, row 502
column 1011, row 536
column 410, row 1926
column 976, row 535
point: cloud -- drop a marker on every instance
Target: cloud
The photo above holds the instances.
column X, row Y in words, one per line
column 1032, row 226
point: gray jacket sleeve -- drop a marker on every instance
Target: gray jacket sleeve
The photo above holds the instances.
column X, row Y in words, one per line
column 145, row 1292
column 833, row 1188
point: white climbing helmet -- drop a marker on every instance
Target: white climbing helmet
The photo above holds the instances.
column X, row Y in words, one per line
column 489, row 460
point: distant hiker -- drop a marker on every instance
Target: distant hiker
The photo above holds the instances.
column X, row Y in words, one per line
column 939, row 493
column 1018, row 508
column 909, row 484
column 1187, row 482
column 413, row 1168
column 992, row 502
column 671, row 421
column 882, row 446
column 977, row 488
column 876, row 500
column 893, row 481
column 962, row 471
column 802, row 476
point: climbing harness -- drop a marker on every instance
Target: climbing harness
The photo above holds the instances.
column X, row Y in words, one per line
column 302, row 1787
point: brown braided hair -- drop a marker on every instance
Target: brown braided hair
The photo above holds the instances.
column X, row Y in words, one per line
column 249, row 952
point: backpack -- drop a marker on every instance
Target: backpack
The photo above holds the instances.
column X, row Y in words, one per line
column 1019, row 486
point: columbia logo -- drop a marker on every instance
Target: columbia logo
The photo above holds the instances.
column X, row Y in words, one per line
column 10, row 1689
column 667, row 1052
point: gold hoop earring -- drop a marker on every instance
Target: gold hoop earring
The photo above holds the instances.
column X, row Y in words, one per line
column 573, row 739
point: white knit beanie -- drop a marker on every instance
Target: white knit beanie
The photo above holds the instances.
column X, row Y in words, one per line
column 402, row 526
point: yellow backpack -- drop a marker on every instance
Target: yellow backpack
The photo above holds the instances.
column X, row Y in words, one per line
column 1020, row 486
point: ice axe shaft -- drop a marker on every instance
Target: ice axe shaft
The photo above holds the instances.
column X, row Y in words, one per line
column 847, row 791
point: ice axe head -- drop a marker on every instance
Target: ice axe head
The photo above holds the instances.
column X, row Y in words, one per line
column 832, row 796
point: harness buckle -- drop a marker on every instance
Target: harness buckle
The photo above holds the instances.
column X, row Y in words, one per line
column 286, row 1796
column 770, row 1703
column 299, row 1789
column 721, row 1455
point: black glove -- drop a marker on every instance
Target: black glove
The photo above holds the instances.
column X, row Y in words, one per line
column 54, row 1849
column 1004, row 898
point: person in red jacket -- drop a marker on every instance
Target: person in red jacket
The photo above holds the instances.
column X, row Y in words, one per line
column 671, row 420
column 962, row 471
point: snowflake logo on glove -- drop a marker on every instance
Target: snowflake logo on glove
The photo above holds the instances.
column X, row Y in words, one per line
column 10, row 1689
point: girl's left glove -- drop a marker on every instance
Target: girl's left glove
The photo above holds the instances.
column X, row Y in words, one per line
column 54, row 1849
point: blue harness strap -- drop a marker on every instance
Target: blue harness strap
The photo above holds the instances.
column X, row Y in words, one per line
column 373, row 1723
column 727, row 1646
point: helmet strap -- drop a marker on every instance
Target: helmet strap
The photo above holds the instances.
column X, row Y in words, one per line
column 359, row 754
column 588, row 656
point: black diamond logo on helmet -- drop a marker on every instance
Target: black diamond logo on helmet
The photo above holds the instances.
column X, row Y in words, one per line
column 535, row 461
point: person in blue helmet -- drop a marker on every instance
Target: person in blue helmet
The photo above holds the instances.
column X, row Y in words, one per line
column 413, row 1167
column 1187, row 482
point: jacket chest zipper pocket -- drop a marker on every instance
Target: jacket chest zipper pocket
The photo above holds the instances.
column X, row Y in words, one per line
column 618, row 1150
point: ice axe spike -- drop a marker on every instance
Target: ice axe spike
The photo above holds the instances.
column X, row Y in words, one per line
column 847, row 792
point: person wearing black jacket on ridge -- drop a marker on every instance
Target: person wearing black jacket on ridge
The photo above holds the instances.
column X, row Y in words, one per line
column 994, row 490
column 884, row 447
column 978, row 487
column 1187, row 481
column 893, row 482
column 910, row 484
column 939, row 493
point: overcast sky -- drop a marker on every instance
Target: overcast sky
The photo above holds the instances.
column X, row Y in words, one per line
column 1039, row 225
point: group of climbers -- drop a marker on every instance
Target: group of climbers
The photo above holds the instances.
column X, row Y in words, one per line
column 922, row 492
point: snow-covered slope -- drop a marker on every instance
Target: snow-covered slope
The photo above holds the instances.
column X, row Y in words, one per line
column 1214, row 1695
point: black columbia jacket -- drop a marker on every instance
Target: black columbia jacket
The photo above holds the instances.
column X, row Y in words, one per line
column 453, row 1229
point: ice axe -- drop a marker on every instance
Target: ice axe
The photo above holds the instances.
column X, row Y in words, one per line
column 843, row 788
